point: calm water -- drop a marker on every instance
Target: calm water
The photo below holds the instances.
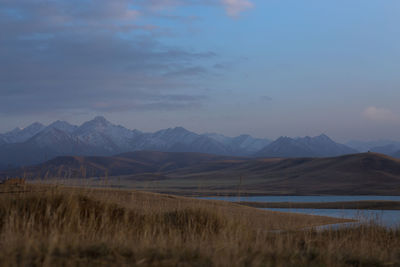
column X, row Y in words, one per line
column 388, row 218
column 305, row 198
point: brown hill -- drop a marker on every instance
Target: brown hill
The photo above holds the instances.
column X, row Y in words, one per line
column 139, row 162
column 367, row 173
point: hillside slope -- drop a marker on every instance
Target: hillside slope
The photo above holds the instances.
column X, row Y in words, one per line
column 188, row 173
column 123, row 164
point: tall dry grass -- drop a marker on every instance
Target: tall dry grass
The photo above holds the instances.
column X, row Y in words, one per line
column 56, row 226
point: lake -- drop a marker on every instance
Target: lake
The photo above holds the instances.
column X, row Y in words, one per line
column 304, row 198
column 388, row 218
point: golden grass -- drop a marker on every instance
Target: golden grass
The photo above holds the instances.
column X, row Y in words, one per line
column 56, row 226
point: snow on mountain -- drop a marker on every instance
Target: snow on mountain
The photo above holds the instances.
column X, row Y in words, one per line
column 58, row 141
column 175, row 135
column 63, row 126
column 248, row 144
column 178, row 139
column 226, row 140
column 240, row 145
column 100, row 137
column 45, row 145
column 19, row 135
column 163, row 140
column 101, row 133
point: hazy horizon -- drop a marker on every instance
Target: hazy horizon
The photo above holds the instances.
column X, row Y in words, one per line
column 264, row 68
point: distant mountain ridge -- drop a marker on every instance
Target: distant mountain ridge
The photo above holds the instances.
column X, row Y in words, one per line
column 99, row 137
column 242, row 144
column 388, row 147
column 20, row 135
column 319, row 146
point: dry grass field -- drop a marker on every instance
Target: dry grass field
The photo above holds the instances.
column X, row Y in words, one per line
column 59, row 226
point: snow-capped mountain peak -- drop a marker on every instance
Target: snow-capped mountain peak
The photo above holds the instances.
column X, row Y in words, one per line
column 319, row 146
column 100, row 132
column 63, row 126
column 19, row 135
column 98, row 123
column 101, row 120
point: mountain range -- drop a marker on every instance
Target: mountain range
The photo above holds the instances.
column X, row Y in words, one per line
column 38, row 143
column 98, row 137
column 388, row 147
column 319, row 146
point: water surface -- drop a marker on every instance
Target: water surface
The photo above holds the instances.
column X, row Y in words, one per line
column 304, row 198
column 388, row 218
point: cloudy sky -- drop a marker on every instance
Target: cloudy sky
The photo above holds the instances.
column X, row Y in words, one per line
column 264, row 67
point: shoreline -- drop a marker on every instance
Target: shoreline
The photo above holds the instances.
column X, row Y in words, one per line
column 358, row 205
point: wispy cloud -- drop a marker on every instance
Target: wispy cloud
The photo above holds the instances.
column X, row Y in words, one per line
column 380, row 114
column 151, row 102
column 71, row 54
column 235, row 7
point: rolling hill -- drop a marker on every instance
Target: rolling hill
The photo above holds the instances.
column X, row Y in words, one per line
column 188, row 173
column 138, row 162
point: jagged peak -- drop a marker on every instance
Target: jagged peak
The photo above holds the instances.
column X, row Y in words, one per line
column 35, row 125
column 97, row 121
column 60, row 122
column 323, row 136
column 284, row 138
column 15, row 130
column 307, row 137
column 174, row 129
column 62, row 125
column 180, row 129
column 100, row 119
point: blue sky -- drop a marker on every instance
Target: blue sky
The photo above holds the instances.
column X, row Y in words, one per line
column 267, row 68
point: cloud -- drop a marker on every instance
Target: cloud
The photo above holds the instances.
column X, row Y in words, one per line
column 151, row 103
column 235, row 7
column 69, row 55
column 188, row 72
column 379, row 114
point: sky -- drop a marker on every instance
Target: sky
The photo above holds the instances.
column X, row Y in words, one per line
column 263, row 67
